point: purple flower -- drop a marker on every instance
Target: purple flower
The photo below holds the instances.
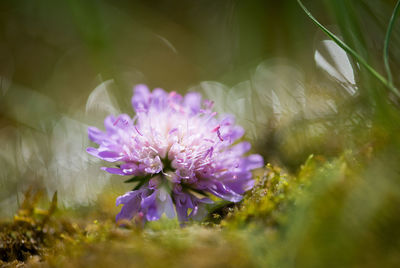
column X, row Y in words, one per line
column 181, row 152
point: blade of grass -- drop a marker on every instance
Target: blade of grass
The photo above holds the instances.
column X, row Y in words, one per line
column 347, row 19
column 350, row 51
column 387, row 41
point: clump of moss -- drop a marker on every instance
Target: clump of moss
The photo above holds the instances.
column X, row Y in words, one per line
column 162, row 244
column 33, row 233
column 267, row 203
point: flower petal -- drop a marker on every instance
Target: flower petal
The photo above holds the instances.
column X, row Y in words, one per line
column 131, row 202
column 141, row 98
column 222, row 191
column 252, row 162
column 116, row 171
column 96, row 135
column 159, row 99
column 192, row 101
column 165, row 204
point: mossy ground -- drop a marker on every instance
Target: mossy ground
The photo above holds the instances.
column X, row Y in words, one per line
column 324, row 216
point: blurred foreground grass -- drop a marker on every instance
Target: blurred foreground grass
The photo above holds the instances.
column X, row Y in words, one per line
column 332, row 213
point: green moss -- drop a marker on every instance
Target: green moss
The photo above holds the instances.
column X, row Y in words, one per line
column 267, row 204
column 331, row 213
column 33, row 232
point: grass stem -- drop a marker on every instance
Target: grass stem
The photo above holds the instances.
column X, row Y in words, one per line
column 387, row 41
column 350, row 51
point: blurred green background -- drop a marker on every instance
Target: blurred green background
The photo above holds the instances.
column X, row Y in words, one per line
column 65, row 65
column 260, row 55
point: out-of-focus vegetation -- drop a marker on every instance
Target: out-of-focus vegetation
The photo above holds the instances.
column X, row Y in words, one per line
column 332, row 213
column 327, row 125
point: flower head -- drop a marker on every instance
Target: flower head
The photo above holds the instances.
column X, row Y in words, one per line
column 178, row 151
